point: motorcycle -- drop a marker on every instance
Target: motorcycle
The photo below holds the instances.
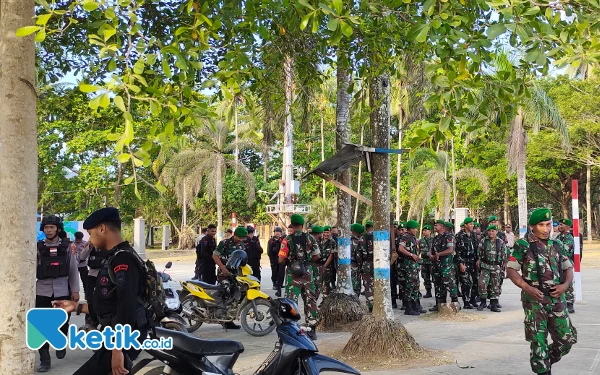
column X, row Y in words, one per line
column 237, row 297
column 172, row 320
column 294, row 353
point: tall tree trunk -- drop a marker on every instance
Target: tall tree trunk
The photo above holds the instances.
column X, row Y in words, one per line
column 380, row 134
column 219, row 196
column 323, row 154
column 399, row 166
column 266, row 155
column 506, row 207
column 18, row 184
column 184, row 214
column 288, row 129
column 235, row 115
column 588, row 202
column 453, row 177
column 362, row 139
column 521, row 175
column 344, row 203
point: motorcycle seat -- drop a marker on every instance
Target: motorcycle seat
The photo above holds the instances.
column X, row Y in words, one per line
column 196, row 346
column 204, row 285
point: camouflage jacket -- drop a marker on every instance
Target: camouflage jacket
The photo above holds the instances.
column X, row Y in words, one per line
column 492, row 254
column 568, row 242
column 541, row 266
column 327, row 247
column 226, row 247
column 365, row 254
column 466, row 247
column 355, row 249
column 409, row 242
column 441, row 243
column 424, row 246
column 299, row 246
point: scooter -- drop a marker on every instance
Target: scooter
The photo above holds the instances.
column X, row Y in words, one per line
column 294, row 353
column 172, row 319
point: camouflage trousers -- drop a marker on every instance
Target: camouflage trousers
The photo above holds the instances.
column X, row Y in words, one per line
column 322, row 278
column 367, row 280
column 401, row 280
column 541, row 319
column 489, row 282
column 410, row 274
column 570, row 294
column 355, row 278
column 426, row 274
column 444, row 280
column 468, row 281
column 304, row 286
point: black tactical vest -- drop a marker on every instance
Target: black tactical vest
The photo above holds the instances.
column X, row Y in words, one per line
column 96, row 258
column 52, row 260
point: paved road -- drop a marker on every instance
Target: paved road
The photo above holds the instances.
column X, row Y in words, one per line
column 493, row 346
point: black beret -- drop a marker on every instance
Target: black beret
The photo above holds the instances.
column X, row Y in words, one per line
column 250, row 229
column 100, row 216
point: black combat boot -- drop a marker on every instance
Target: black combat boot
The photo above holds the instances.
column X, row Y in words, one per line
column 498, row 303
column 420, row 308
column 494, row 304
column 571, row 308
column 278, row 292
column 44, row 360
column 482, row 305
column 466, row 304
column 408, row 307
column 394, row 304
column 60, row 354
column 231, row 325
column 435, row 307
column 312, row 334
column 428, row 294
column 474, row 301
column 414, row 309
column 404, row 305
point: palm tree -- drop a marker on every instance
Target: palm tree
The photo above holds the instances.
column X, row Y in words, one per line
column 206, row 162
column 432, row 167
column 323, row 211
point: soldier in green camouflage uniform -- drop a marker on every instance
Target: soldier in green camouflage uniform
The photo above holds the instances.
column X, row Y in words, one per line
column 317, row 233
column 568, row 241
column 491, row 258
column 355, row 248
column 408, row 252
column 546, row 275
column 367, row 268
column 426, row 270
column 442, row 257
column 400, row 280
column 328, row 248
column 298, row 251
column 226, row 247
column 466, row 257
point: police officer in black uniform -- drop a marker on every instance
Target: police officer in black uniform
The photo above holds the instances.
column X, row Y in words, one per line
column 273, row 248
column 57, row 277
column 94, row 260
column 115, row 303
column 254, row 250
column 206, row 247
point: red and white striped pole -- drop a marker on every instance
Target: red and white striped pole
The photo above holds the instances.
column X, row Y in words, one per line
column 233, row 221
column 577, row 250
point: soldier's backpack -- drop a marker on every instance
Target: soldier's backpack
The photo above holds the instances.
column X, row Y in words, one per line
column 154, row 299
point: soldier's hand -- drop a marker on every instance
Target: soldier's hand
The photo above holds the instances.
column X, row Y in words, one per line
column 75, row 296
column 558, row 290
column 68, row 306
column 534, row 293
column 117, row 363
column 463, row 268
column 415, row 257
column 225, row 272
column 478, row 264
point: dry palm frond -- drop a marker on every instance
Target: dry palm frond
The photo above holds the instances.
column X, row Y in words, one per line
column 476, row 174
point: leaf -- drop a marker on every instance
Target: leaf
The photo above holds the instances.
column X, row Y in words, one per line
column 315, row 24
column 173, row 107
column 109, row 13
column 418, row 33
column 113, row 137
column 532, row 55
column 166, row 68
column 532, row 11
column 27, row 30
column 346, row 29
column 305, row 20
column 445, row 123
column 128, row 180
column 306, row 4
column 112, row 65
column 137, row 162
column 154, row 108
column 441, row 80
column 40, row 36
column 123, row 158
column 90, row 6
column 95, row 103
column 495, row 30
column 332, row 25
column 160, row 187
column 88, row 88
column 42, row 19
column 104, row 100
column 119, row 103
column 108, row 32
column 338, row 6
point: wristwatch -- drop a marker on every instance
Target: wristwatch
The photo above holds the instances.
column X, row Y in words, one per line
column 79, row 307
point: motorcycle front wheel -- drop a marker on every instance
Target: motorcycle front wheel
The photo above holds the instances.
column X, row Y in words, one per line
column 259, row 324
column 187, row 313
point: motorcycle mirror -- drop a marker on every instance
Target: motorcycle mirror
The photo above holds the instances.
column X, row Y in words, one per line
column 169, row 265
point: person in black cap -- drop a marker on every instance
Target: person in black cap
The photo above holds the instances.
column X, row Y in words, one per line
column 273, row 252
column 207, row 246
column 254, row 250
column 114, row 303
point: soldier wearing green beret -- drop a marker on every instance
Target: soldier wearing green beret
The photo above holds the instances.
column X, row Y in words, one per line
column 329, row 250
column 424, row 247
column 226, row 247
column 568, row 241
column 355, row 249
column 491, row 259
column 408, row 261
column 493, row 220
column 298, row 251
column 442, row 256
column 546, row 274
column 466, row 257
column 367, row 267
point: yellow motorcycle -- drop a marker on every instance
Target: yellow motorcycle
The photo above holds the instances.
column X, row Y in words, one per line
column 238, row 296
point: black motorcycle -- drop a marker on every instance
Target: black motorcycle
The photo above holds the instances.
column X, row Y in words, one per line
column 295, row 353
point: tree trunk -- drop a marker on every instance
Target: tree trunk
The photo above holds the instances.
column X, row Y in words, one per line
column 237, row 149
column 453, row 178
column 506, row 207
column 344, row 203
column 362, row 139
column 18, row 184
column 588, row 202
column 219, row 195
column 380, row 134
column 184, row 214
column 521, row 175
column 399, row 166
column 288, row 130
column 266, row 156
column 323, row 154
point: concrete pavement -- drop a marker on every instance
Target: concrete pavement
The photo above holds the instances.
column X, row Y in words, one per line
column 494, row 345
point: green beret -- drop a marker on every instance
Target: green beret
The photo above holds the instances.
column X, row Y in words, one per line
column 396, row 222
column 566, row 222
column 449, row 224
column 495, row 227
column 462, row 224
column 411, row 224
column 539, row 215
column 493, row 218
column 440, row 221
column 357, row 228
column 317, row 229
column 326, row 228
column 476, row 224
column 241, row 232
column 468, row 220
column 369, row 223
column 297, row 219
column 427, row 227
column 402, row 225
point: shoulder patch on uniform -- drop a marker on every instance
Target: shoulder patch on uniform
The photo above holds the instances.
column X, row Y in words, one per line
column 121, row 267
column 120, row 278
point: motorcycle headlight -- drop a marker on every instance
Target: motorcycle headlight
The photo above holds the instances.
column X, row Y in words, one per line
column 253, row 278
column 172, row 303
